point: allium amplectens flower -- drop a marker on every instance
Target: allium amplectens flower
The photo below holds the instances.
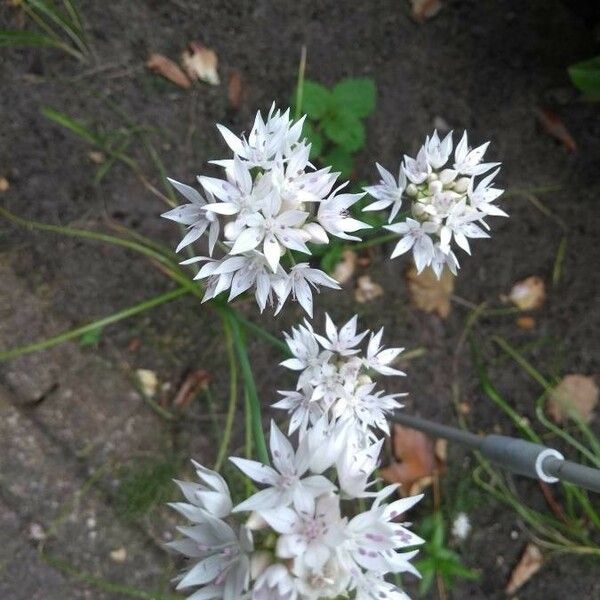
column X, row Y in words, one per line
column 270, row 201
column 445, row 202
column 336, row 381
column 289, row 550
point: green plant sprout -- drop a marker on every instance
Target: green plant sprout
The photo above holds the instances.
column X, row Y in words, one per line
column 585, row 76
column 439, row 561
column 55, row 27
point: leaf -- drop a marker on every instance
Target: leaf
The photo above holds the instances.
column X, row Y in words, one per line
column 91, row 337
column 428, row 293
column 148, row 381
column 575, row 395
column 200, row 62
column 553, row 125
column 345, row 268
column 356, row 95
column 529, row 564
column 340, row 160
column 367, row 290
column 4, row 184
column 77, row 127
column 415, row 460
column 331, row 257
column 192, row 385
column 528, row 294
column 345, row 129
column 526, row 322
column 315, row 139
column 316, row 99
column 425, row 9
column 26, row 38
column 168, row 69
column 585, row 76
column 235, row 90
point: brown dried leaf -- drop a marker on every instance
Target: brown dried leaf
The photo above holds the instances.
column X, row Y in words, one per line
column 168, row 69
column 367, row 290
column 416, row 460
column 96, row 157
column 195, row 382
column 4, row 184
column 235, row 89
column 425, row 9
column 428, row 293
column 575, row 394
column 528, row 294
column 526, row 322
column 345, row 268
column 200, row 63
column 529, row 564
column 553, row 125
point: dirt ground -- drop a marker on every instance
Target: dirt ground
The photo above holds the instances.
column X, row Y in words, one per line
column 73, row 425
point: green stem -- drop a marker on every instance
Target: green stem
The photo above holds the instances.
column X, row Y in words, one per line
column 274, row 341
column 300, row 84
column 376, row 241
column 224, row 446
column 79, row 331
column 254, row 404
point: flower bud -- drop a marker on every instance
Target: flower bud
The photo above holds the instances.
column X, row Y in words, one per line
column 259, row 561
column 447, row 176
column 231, row 231
column 411, row 189
column 462, row 185
column 435, row 187
column 432, row 177
column 418, row 209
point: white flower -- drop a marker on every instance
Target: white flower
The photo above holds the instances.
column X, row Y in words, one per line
column 461, row 526
column 416, row 236
column 445, row 201
column 334, row 217
column 328, row 582
column 345, row 340
column 285, row 482
column 379, row 359
column 388, row 192
column 222, row 564
column 371, row 586
column 468, row 161
column 275, row 583
column 308, row 537
column 299, row 282
column 303, row 410
column 194, row 216
column 355, row 467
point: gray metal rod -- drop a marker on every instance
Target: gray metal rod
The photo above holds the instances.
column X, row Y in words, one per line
column 513, row 454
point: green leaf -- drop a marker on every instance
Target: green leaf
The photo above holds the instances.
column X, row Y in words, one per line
column 26, row 38
column 316, row 99
column 356, row 95
column 91, row 337
column 76, row 127
column 585, row 76
column 339, row 160
column 345, row 129
column 315, row 139
column 332, row 257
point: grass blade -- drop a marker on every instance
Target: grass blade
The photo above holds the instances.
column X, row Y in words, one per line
column 27, row 38
column 77, row 127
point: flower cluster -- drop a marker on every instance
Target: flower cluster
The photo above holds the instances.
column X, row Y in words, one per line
column 335, row 381
column 271, row 201
column 299, row 541
column 446, row 202
column 298, row 537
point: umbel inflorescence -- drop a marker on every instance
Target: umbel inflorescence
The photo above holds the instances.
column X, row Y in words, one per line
column 271, row 201
column 446, row 203
column 301, row 536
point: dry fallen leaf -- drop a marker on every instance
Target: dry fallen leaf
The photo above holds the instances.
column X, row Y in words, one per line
column 345, row 268
column 148, row 381
column 552, row 124
column 119, row 555
column 168, row 69
column 529, row 564
column 528, row 294
column 425, row 9
column 96, row 157
column 366, row 289
column 4, row 185
column 574, row 394
column 526, row 322
column 200, row 62
column 429, row 293
column 235, row 89
column 195, row 382
column 418, row 458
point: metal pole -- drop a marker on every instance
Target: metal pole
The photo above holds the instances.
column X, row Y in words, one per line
column 513, row 454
